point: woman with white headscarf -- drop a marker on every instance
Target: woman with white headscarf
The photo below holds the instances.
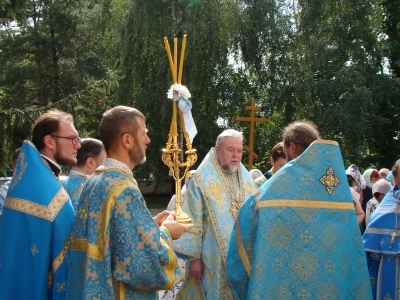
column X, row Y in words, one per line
column 371, row 176
column 379, row 190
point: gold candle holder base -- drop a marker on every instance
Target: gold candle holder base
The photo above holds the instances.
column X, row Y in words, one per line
column 183, row 219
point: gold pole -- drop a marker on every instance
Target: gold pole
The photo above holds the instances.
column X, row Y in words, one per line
column 175, row 59
column 171, row 63
column 182, row 59
column 170, row 154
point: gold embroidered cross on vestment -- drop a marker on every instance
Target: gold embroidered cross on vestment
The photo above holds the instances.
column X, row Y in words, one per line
column 83, row 215
column 329, row 180
column 34, row 250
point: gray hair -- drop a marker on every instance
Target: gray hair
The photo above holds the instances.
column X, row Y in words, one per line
column 302, row 133
column 228, row 133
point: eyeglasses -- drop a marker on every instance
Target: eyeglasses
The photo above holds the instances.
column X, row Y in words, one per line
column 75, row 140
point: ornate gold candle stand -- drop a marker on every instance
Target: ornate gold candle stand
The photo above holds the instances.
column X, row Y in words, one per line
column 172, row 154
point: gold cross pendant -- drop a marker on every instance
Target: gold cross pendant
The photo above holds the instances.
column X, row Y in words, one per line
column 394, row 236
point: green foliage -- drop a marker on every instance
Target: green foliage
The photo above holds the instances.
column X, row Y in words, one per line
column 47, row 62
column 391, row 27
column 324, row 61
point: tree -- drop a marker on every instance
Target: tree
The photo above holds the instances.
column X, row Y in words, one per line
column 47, row 61
column 207, row 71
column 391, row 27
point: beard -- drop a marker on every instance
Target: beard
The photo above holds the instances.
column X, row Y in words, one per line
column 62, row 160
column 229, row 169
column 136, row 155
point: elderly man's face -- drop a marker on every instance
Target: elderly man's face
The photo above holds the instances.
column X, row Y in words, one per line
column 230, row 154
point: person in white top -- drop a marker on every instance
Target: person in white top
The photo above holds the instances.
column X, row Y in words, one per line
column 379, row 190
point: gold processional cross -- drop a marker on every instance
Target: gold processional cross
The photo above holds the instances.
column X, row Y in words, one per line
column 252, row 121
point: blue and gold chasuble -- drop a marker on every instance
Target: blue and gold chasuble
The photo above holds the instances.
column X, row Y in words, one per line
column 73, row 184
column 212, row 207
column 297, row 237
column 117, row 250
column 37, row 220
column 382, row 244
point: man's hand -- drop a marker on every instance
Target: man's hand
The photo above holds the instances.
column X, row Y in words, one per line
column 196, row 268
column 159, row 218
column 175, row 229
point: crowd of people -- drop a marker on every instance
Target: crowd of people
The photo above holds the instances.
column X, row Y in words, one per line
column 308, row 228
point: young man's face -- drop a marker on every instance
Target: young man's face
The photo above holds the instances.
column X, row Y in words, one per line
column 67, row 144
column 279, row 163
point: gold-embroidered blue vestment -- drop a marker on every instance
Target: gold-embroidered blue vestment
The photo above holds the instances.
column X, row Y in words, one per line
column 117, row 250
column 34, row 234
column 212, row 201
column 297, row 237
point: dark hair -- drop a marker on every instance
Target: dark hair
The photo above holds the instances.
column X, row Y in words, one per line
column 89, row 148
column 16, row 154
column 118, row 121
column 302, row 133
column 277, row 152
column 47, row 124
column 395, row 168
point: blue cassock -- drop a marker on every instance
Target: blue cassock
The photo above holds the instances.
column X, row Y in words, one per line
column 297, row 236
column 383, row 248
column 37, row 220
column 73, row 184
column 117, row 250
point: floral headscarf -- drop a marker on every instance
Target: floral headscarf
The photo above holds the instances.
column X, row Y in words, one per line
column 355, row 173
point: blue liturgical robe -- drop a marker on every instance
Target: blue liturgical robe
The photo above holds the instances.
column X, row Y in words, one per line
column 297, row 237
column 117, row 250
column 34, row 236
column 210, row 205
column 73, row 184
column 382, row 244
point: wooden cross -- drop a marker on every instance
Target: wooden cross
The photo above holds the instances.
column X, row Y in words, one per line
column 252, row 120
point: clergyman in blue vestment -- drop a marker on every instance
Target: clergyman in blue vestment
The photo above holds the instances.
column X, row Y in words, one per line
column 297, row 237
column 382, row 243
column 89, row 157
column 38, row 215
column 212, row 200
column 118, row 251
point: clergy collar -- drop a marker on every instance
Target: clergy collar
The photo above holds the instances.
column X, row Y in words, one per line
column 55, row 168
column 77, row 173
column 113, row 163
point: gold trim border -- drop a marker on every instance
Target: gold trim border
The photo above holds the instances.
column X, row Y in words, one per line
column 96, row 251
column 48, row 212
column 170, row 267
column 305, row 204
column 59, row 260
column 241, row 250
column 326, row 142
